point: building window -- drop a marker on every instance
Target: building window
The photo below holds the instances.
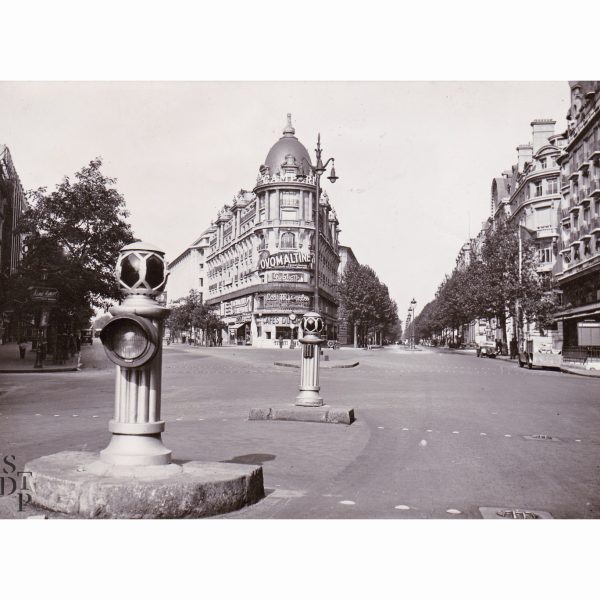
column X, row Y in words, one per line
column 262, row 242
column 553, row 186
column 201, row 282
column 289, row 199
column 543, row 163
column 288, row 240
column 586, row 214
column 545, row 255
column 538, row 188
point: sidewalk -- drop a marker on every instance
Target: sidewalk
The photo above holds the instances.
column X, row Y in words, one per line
column 564, row 367
column 11, row 363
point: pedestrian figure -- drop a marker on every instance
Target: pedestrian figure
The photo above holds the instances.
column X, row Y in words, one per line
column 281, row 341
column 513, row 348
column 22, row 348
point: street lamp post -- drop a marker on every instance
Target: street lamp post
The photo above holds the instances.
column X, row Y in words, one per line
column 318, row 170
column 413, row 303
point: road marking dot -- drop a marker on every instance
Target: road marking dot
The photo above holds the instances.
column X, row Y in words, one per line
column 381, row 428
column 94, row 416
column 74, row 415
column 507, row 435
column 405, row 429
column 483, row 433
column 178, row 419
column 453, row 511
column 423, row 443
column 428, row 430
column 57, row 415
column 347, row 502
column 456, row 432
column 36, row 414
column 577, row 440
column 402, row 507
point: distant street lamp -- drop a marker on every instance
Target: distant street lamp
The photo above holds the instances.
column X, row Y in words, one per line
column 318, row 170
column 413, row 303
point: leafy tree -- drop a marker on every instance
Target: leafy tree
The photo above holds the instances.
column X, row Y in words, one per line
column 190, row 312
column 367, row 301
column 72, row 238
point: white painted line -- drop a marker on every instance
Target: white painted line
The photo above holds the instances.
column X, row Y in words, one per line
column 453, row 511
column 36, row 414
column 577, row 440
column 94, row 416
column 74, row 415
column 405, row 429
column 423, row 443
column 402, row 507
column 347, row 502
column 483, row 433
column 456, row 432
column 57, row 415
column 381, row 428
column 507, row 435
column 179, row 419
column 428, row 430
column 200, row 419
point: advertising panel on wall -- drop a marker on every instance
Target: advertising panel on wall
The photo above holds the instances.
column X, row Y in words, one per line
column 237, row 306
column 285, row 260
column 287, row 301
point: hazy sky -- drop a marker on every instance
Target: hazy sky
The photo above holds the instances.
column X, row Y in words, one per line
column 415, row 160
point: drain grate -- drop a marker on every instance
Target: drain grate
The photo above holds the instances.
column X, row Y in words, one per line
column 544, row 437
column 517, row 514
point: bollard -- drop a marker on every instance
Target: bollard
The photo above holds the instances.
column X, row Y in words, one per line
column 132, row 340
column 312, row 325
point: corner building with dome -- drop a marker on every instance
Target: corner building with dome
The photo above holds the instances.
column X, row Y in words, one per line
column 260, row 260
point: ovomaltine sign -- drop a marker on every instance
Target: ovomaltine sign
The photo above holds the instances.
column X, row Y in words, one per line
column 285, row 260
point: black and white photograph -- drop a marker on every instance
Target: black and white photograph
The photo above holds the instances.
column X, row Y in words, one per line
column 365, row 305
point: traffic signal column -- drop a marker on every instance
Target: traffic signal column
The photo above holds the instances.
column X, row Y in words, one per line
column 133, row 341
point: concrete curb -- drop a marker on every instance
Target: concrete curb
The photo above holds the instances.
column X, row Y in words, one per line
column 321, row 365
column 581, row 372
column 310, row 414
column 51, row 370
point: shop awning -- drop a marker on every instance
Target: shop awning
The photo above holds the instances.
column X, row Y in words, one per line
column 236, row 326
column 580, row 311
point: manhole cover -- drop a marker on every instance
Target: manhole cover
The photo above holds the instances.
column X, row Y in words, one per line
column 544, row 437
column 500, row 512
column 517, row 514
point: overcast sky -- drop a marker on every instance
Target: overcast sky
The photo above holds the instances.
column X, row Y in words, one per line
column 415, row 160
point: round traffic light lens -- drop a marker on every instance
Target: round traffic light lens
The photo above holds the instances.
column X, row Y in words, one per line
column 128, row 341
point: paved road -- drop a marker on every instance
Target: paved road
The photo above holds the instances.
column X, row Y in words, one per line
column 435, row 432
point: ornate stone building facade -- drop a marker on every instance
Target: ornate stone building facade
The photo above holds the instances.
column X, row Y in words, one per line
column 260, row 259
column 578, row 270
column 12, row 205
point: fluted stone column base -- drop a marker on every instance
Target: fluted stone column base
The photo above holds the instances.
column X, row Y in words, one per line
column 78, row 483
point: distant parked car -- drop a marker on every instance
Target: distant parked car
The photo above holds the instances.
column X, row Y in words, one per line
column 487, row 349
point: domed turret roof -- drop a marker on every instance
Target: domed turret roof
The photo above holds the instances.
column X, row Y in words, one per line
column 287, row 144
